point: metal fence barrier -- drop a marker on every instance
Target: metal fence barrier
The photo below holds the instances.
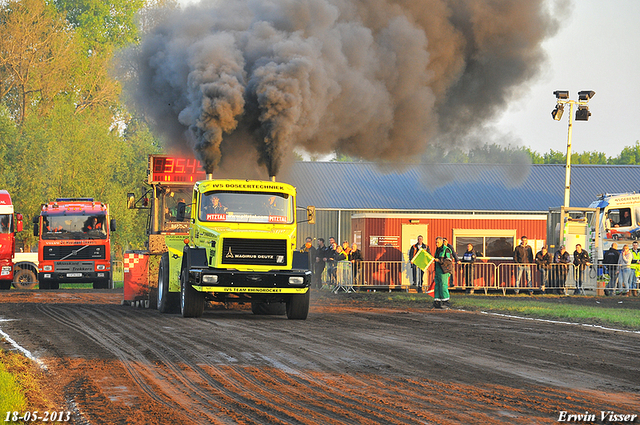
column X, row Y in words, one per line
column 482, row 276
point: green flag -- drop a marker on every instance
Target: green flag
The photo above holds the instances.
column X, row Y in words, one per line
column 422, row 259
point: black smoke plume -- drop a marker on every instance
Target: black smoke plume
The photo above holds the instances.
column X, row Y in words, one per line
column 374, row 79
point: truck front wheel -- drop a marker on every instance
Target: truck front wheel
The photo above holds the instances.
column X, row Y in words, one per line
column 167, row 301
column 298, row 306
column 24, row 279
column 191, row 301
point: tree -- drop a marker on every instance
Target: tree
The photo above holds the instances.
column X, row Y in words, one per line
column 36, row 55
column 102, row 25
column 630, row 155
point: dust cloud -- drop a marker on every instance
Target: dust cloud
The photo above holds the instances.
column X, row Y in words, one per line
column 247, row 82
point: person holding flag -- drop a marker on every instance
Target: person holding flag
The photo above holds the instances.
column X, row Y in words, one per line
column 442, row 257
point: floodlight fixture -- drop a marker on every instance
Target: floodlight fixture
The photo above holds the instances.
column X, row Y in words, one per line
column 557, row 112
column 561, row 94
column 583, row 114
column 586, row 95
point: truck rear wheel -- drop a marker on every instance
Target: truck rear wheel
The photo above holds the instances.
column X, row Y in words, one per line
column 191, row 301
column 298, row 306
column 271, row 309
column 5, row 285
column 167, row 301
column 24, row 279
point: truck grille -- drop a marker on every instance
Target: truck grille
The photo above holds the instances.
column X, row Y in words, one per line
column 259, row 252
column 74, row 252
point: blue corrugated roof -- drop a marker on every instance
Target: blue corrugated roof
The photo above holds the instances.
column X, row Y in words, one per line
column 460, row 187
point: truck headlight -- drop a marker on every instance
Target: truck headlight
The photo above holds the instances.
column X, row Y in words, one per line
column 210, row 278
column 47, row 268
column 296, row 280
column 100, row 267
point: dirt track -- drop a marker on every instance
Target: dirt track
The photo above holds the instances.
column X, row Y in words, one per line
column 347, row 363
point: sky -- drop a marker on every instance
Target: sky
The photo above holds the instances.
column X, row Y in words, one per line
column 596, row 48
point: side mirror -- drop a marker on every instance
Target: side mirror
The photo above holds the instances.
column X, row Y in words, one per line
column 112, row 225
column 181, row 212
column 131, row 201
column 311, row 214
column 36, row 230
column 18, row 222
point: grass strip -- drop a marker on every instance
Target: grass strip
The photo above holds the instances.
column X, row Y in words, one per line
column 616, row 317
column 546, row 307
column 20, row 388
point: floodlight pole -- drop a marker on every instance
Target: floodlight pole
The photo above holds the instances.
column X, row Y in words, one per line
column 567, row 173
column 567, row 181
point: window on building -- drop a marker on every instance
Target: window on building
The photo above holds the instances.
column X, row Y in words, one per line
column 494, row 243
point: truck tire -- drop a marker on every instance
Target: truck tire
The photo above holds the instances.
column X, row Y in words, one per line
column 5, row 284
column 168, row 302
column 271, row 309
column 191, row 301
column 24, row 279
column 298, row 306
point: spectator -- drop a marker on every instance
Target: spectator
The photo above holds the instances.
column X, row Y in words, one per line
column 441, row 288
column 356, row 258
column 310, row 249
column 346, row 248
column 416, row 272
column 332, row 262
column 523, row 255
column 454, row 258
column 580, row 260
column 635, row 265
column 322, row 254
column 544, row 260
column 562, row 260
column 611, row 256
column 627, row 274
column 338, row 256
column 468, row 258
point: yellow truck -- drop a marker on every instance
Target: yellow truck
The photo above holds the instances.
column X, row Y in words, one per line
column 217, row 240
column 240, row 248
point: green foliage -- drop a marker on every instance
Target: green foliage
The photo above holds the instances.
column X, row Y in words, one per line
column 630, row 155
column 102, row 25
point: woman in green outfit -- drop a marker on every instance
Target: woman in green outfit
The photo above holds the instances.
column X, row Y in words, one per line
column 441, row 289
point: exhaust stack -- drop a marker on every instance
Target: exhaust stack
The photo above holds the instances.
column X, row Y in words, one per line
column 209, row 176
column 273, row 178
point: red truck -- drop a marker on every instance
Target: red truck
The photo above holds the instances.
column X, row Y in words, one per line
column 8, row 226
column 74, row 243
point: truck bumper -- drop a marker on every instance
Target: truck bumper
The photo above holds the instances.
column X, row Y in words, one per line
column 233, row 281
column 79, row 277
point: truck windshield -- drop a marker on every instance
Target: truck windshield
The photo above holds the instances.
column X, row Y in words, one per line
column 5, row 223
column 246, row 207
column 74, row 227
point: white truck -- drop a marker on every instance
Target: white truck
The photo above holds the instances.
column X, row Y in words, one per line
column 610, row 218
